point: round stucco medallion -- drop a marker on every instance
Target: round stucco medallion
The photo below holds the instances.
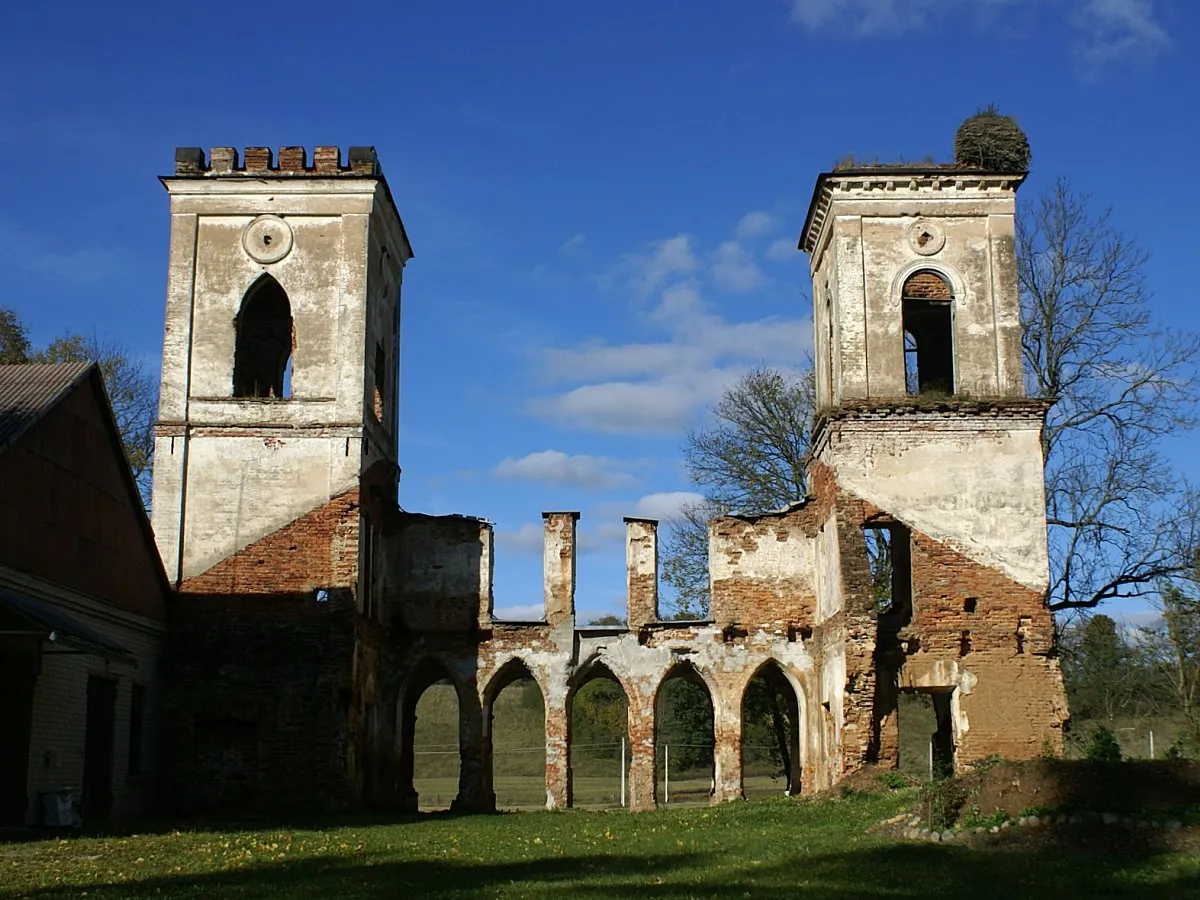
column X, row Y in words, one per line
column 267, row 239
column 926, row 238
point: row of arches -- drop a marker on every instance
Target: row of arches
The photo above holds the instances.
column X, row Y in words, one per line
column 673, row 754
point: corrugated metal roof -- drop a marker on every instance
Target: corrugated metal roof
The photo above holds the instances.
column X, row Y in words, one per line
column 59, row 626
column 28, row 390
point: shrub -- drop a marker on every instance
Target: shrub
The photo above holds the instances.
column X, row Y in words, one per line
column 1102, row 746
column 893, row 781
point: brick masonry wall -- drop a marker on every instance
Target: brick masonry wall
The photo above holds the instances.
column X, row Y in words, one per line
column 317, row 550
column 260, row 691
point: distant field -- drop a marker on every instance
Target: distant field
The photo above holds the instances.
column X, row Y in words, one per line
column 529, row 792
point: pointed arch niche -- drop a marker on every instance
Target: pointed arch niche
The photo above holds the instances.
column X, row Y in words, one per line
column 684, row 737
column 262, row 356
column 772, row 746
column 597, row 728
column 515, row 718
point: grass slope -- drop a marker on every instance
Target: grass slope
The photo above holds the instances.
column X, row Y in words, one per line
column 774, row 849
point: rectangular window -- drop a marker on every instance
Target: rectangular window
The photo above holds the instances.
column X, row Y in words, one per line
column 137, row 711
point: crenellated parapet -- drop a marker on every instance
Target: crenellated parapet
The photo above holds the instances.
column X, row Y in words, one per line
column 226, row 161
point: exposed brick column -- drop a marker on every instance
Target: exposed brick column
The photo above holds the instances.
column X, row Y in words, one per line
column 641, row 564
column 557, row 749
column 727, row 754
column 558, row 566
column 642, row 795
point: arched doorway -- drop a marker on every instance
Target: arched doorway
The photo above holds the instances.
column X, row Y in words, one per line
column 430, row 751
column 771, row 745
column 516, row 737
column 684, row 739
column 598, row 740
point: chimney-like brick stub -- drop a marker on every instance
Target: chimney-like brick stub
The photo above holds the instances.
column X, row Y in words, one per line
column 191, row 161
column 641, row 565
column 558, row 565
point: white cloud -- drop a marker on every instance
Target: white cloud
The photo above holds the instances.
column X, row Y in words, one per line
column 1106, row 30
column 556, row 467
column 734, row 268
column 782, row 250
column 659, row 387
column 573, row 244
column 665, row 505
column 529, row 612
column 526, row 540
column 662, row 259
column 1118, row 29
column 756, row 223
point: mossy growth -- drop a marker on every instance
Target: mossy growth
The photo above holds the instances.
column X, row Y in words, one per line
column 988, row 140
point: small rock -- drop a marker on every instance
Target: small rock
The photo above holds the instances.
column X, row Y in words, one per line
column 979, row 829
column 994, row 829
column 1004, row 826
column 1075, row 819
column 1142, row 824
column 1023, row 820
column 1033, row 821
column 1062, row 819
column 947, row 836
column 1111, row 818
column 1173, row 825
column 935, row 837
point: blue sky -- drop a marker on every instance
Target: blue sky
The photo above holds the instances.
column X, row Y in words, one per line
column 604, row 199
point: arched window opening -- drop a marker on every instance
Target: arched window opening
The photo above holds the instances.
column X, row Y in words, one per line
column 771, row 762
column 598, row 739
column 429, row 739
column 684, row 739
column 517, row 726
column 380, row 382
column 263, row 352
column 927, row 302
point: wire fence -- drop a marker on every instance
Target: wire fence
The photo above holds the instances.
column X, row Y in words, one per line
column 600, row 772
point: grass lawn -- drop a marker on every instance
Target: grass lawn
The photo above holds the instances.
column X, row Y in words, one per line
column 769, row 849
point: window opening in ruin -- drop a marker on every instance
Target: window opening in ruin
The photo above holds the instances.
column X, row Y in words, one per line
column 970, row 604
column 927, row 304
column 770, row 735
column 829, row 341
column 517, row 730
column 889, row 560
column 321, row 595
column 598, row 739
column 264, row 344
column 366, row 602
column 435, row 745
column 683, row 738
column 925, row 732
column 380, row 382
column 1023, row 624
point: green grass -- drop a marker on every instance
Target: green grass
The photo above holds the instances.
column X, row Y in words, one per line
column 773, row 849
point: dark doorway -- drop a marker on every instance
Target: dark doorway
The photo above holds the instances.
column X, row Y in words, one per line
column 98, row 749
column 263, row 351
column 18, row 672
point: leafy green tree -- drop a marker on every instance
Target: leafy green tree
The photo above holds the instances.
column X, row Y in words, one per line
column 1100, row 668
column 14, row 341
column 1172, row 647
column 751, row 458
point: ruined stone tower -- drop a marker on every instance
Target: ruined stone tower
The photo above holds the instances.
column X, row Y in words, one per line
column 932, row 453
column 276, row 464
column 282, row 336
